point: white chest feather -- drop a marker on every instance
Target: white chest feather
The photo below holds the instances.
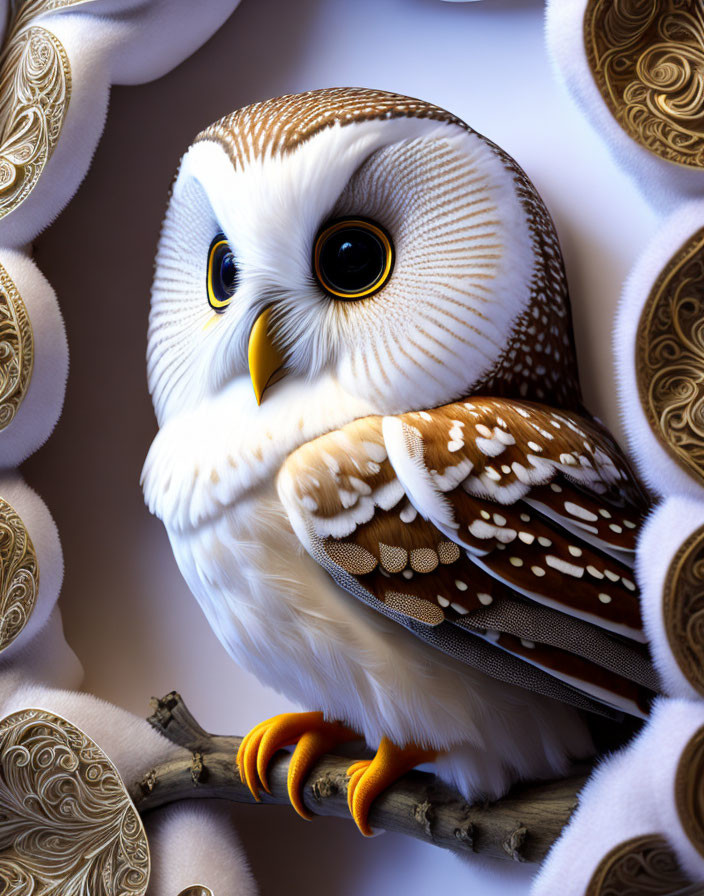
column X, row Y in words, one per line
column 281, row 617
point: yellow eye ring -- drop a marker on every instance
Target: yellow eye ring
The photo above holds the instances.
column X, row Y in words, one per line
column 222, row 274
column 353, row 258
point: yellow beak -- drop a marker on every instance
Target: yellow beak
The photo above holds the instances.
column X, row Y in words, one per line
column 265, row 357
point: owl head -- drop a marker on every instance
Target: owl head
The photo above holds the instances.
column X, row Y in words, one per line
column 364, row 235
column 333, row 254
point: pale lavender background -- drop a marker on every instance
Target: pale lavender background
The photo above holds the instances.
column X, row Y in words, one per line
column 127, row 612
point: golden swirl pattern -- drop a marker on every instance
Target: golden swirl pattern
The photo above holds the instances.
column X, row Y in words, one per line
column 670, row 356
column 643, row 866
column 35, row 83
column 683, row 609
column 19, row 575
column 647, row 58
column 68, row 826
column 16, row 350
column 35, row 88
column 689, row 790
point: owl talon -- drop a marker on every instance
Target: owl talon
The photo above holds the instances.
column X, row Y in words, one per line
column 370, row 777
column 311, row 734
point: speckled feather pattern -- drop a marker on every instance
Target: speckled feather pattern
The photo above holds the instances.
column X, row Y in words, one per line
column 440, row 513
column 282, row 124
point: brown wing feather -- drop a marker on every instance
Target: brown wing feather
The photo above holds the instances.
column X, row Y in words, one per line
column 485, row 509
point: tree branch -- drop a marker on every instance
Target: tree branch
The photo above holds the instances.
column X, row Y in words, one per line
column 522, row 826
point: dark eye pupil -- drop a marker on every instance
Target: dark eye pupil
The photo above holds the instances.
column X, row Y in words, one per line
column 228, row 273
column 352, row 260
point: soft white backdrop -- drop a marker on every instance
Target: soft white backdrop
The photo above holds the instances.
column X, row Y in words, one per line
column 127, row 612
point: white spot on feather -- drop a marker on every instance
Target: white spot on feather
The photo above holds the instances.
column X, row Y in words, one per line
column 569, row 569
column 504, row 437
column 580, row 512
column 408, row 514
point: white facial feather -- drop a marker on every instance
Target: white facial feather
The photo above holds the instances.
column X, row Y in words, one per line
column 459, row 282
column 461, row 278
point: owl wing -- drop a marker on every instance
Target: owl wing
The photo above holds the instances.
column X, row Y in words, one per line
column 501, row 532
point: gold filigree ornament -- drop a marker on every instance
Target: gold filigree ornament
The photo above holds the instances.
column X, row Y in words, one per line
column 67, row 824
column 16, row 350
column 35, row 89
column 689, row 790
column 670, row 357
column 642, row 866
column 19, row 576
column 683, row 609
column 647, row 59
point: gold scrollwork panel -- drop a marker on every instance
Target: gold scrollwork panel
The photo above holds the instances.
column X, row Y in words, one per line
column 19, row 575
column 683, row 608
column 643, row 866
column 646, row 57
column 16, row 350
column 689, row 790
column 35, row 89
column 68, row 824
column 670, row 357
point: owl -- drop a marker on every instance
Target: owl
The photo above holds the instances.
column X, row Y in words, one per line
column 373, row 461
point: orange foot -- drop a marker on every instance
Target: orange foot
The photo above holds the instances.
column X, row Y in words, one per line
column 370, row 777
column 311, row 734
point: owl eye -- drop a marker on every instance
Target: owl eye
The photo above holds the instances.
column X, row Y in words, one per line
column 222, row 274
column 353, row 258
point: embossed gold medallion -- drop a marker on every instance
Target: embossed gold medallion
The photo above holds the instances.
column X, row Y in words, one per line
column 683, row 608
column 16, row 350
column 35, row 89
column 643, row 865
column 670, row 357
column 647, row 60
column 19, row 575
column 68, row 824
column 689, row 790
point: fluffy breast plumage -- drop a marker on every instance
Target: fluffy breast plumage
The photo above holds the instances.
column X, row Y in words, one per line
column 284, row 619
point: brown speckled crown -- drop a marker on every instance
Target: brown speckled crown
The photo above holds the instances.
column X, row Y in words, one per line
column 282, row 124
column 539, row 361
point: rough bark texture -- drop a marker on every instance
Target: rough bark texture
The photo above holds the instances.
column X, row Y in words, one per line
column 522, row 826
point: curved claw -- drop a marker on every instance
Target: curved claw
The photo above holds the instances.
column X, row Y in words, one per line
column 249, row 760
column 311, row 734
column 370, row 777
column 243, row 748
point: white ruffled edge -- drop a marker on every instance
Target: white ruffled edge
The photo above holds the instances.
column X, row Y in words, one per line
column 662, row 473
column 630, row 794
column 41, row 406
column 195, row 843
column 666, row 530
column 663, row 183
column 107, row 42
column 45, row 537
